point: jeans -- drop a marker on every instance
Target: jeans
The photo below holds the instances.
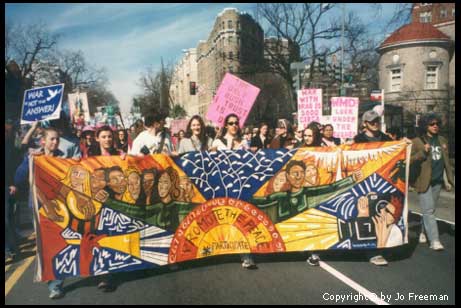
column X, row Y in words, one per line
column 10, row 232
column 427, row 202
column 54, row 284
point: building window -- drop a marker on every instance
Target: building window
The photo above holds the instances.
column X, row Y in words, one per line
column 223, row 25
column 231, row 69
column 443, row 13
column 425, row 17
column 229, row 24
column 396, row 78
column 431, row 77
column 237, row 27
column 231, row 55
column 453, row 12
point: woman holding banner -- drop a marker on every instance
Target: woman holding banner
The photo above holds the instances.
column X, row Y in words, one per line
column 231, row 137
column 328, row 139
column 195, row 137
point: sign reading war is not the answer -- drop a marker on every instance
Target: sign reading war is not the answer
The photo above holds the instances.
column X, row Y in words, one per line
column 234, row 96
column 42, row 103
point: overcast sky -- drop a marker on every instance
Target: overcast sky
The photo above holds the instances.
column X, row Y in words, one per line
column 127, row 39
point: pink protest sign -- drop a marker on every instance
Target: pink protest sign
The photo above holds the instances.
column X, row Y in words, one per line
column 178, row 124
column 234, row 96
column 344, row 116
column 309, row 106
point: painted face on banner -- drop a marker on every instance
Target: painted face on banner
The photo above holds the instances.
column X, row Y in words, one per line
column 117, row 181
column 148, row 182
column 296, row 177
column 164, row 185
column 77, row 177
column 185, row 184
column 134, row 184
column 98, row 181
column 279, row 180
column 311, row 178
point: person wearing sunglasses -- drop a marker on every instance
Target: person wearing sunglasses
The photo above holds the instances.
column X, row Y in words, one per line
column 372, row 129
column 429, row 154
column 372, row 133
column 231, row 137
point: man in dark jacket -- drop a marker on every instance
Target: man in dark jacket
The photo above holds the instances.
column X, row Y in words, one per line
column 372, row 133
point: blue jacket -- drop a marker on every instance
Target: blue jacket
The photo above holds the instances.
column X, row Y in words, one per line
column 21, row 176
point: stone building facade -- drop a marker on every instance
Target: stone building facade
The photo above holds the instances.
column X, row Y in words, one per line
column 416, row 65
column 185, row 72
column 235, row 45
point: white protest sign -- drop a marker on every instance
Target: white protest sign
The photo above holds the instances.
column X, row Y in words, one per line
column 309, row 106
column 344, row 116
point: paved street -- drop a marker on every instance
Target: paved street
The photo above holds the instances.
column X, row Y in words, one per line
column 414, row 271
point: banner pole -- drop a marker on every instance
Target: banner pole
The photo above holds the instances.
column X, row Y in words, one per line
column 383, row 122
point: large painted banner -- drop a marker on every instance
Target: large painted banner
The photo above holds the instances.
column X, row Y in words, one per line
column 105, row 214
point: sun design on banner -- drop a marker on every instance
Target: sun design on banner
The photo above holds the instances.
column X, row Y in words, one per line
column 223, row 226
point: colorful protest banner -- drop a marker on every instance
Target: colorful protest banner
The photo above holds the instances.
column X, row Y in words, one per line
column 78, row 104
column 42, row 103
column 178, row 124
column 344, row 116
column 234, row 96
column 105, row 215
column 309, row 106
